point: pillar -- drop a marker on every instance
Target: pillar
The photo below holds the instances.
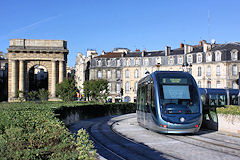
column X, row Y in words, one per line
column 53, row 90
column 21, row 77
column 61, row 71
column 13, row 77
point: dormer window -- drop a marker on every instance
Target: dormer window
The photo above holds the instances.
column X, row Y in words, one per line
column 118, row 62
column 209, row 57
column 99, row 63
column 145, row 61
column 189, row 59
column 127, row 62
column 218, row 56
column 199, row 58
column 137, row 62
column 159, row 60
column 234, row 55
column 180, row 60
column 171, row 61
column 108, row 62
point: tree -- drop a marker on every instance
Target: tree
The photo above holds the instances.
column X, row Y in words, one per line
column 66, row 90
column 96, row 90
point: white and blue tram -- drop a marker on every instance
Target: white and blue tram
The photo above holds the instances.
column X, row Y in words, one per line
column 169, row 102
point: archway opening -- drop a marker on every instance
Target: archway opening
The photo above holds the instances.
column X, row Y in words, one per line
column 38, row 78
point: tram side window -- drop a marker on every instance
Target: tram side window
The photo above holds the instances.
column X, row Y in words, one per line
column 221, row 100
column 153, row 107
column 234, row 100
column 212, row 100
column 138, row 99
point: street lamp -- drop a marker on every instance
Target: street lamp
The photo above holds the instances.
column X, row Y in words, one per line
column 158, row 66
column 187, row 67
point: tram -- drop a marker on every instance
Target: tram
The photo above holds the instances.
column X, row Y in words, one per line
column 219, row 97
column 169, row 102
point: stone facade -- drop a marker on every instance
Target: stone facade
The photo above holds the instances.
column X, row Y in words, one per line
column 212, row 66
column 23, row 54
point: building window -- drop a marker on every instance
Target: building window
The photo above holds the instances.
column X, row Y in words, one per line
column 218, row 56
column 127, row 74
column 99, row 74
column 234, row 70
column 208, row 84
column 199, row 58
column 137, row 62
column 135, row 87
column 108, row 62
column 132, row 62
column 158, row 60
column 145, row 61
column 127, row 87
column 127, row 62
column 234, row 85
column 208, row 71
column 136, row 74
column 109, row 75
column 234, row 56
column 199, row 84
column 171, row 60
column 118, row 74
column 218, row 70
column 209, row 57
column 99, row 63
column 118, row 62
column 110, row 87
column 218, row 84
column 118, row 88
column 189, row 59
column 180, row 60
column 199, row 71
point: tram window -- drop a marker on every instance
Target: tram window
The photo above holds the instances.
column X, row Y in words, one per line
column 153, row 107
column 221, row 100
column 234, row 100
column 212, row 100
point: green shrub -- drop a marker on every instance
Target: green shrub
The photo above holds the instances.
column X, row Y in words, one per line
column 66, row 90
column 43, row 94
column 233, row 110
column 85, row 146
column 31, row 131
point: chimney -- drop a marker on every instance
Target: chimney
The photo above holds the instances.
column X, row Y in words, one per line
column 167, row 50
column 143, row 53
column 200, row 43
column 181, row 45
column 103, row 52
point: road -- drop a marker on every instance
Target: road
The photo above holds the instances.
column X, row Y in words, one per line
column 121, row 137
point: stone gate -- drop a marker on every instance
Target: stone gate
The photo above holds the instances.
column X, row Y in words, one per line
column 23, row 54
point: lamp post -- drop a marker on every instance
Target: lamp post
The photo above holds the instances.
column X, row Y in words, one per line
column 187, row 67
column 158, row 66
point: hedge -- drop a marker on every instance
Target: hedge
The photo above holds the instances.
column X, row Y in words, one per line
column 233, row 110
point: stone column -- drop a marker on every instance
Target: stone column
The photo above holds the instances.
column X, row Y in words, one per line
column 54, row 79
column 61, row 71
column 13, row 77
column 21, row 77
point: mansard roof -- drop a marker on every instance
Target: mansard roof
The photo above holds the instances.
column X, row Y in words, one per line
column 197, row 49
column 111, row 55
column 154, row 53
column 177, row 51
column 227, row 46
column 133, row 54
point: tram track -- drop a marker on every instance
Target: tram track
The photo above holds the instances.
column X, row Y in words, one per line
column 120, row 147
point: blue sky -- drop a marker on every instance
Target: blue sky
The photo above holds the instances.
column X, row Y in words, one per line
column 107, row 24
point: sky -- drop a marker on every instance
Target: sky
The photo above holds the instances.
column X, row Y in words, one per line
column 108, row 24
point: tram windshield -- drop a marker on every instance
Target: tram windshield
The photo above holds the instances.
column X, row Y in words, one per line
column 178, row 95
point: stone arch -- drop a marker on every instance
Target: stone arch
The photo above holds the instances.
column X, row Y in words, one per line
column 30, row 65
column 27, row 53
